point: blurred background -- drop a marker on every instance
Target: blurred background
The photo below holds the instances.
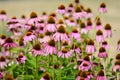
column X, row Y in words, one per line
column 19, row 7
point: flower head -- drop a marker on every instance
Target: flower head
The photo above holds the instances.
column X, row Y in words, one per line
column 118, row 56
column 102, row 53
column 33, row 18
column 37, row 50
column 9, row 43
column 83, row 27
column 3, row 15
column 61, row 9
column 51, row 24
column 21, row 58
column 60, row 35
column 90, row 48
column 101, row 76
column 102, row 8
column 105, row 45
column 89, row 24
column 89, row 13
column 78, row 13
column 118, row 45
column 75, row 34
column 46, row 76
column 116, row 67
column 3, row 63
column 28, row 37
column 99, row 36
column 64, row 53
column 1, row 76
column 50, row 47
column 108, row 31
column 98, row 25
column 2, row 39
column 9, row 77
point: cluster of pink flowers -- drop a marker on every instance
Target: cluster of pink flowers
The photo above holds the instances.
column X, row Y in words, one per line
column 67, row 38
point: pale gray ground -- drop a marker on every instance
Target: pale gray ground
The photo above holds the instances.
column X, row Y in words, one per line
column 18, row 7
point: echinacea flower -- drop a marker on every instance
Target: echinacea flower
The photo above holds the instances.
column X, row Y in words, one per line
column 21, row 42
column 90, row 47
column 90, row 75
column 78, row 13
column 85, row 66
column 41, row 38
column 2, row 39
column 105, row 45
column 89, row 24
column 82, row 76
column 60, row 22
column 116, row 67
column 40, row 23
column 51, row 24
column 3, row 63
column 98, row 25
column 118, row 56
column 37, row 49
column 44, row 15
column 46, row 76
column 9, row 43
column 60, row 35
column 99, row 36
column 76, row 49
column 54, row 15
column 75, row 34
column 102, row 53
column 84, row 29
column 50, row 48
column 61, row 9
column 64, row 53
column 33, row 18
column 40, row 30
column 89, row 13
column 71, row 22
column 70, row 7
column 23, row 19
column 29, row 36
column 21, row 58
column 102, row 8
column 107, row 31
column 77, row 1
column 16, row 33
column 14, row 23
column 118, row 46
column 8, row 77
column 101, row 76
column 3, row 15
column 1, row 76
column 47, row 36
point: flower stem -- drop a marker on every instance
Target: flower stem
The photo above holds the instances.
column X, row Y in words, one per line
column 105, row 67
column 117, row 76
column 36, row 67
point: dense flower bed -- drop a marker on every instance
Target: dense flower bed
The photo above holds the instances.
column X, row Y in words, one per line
column 73, row 46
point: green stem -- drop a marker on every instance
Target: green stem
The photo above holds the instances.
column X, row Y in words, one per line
column 105, row 66
column 23, row 72
column 53, row 68
column 118, row 76
column 2, row 27
column 36, row 68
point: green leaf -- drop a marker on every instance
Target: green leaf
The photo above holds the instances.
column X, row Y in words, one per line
column 25, row 77
column 109, row 64
column 30, row 60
